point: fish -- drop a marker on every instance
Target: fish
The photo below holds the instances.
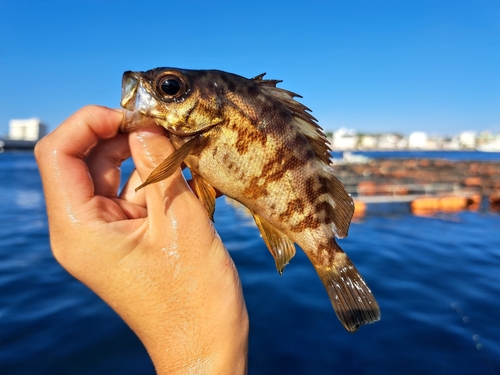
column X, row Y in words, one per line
column 253, row 142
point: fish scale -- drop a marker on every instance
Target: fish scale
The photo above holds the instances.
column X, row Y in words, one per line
column 255, row 143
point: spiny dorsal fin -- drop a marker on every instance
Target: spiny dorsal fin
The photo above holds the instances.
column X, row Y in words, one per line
column 305, row 122
column 259, row 77
column 270, row 82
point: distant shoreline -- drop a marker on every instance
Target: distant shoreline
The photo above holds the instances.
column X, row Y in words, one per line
column 7, row 144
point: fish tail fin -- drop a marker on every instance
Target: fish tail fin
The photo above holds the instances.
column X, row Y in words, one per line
column 351, row 298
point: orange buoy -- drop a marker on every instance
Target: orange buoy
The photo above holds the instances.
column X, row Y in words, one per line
column 449, row 204
column 452, row 204
column 425, row 206
column 359, row 210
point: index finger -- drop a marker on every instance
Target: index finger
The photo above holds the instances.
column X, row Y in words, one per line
column 60, row 156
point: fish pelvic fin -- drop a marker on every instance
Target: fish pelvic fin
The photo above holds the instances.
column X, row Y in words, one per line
column 351, row 298
column 172, row 163
column 280, row 246
column 206, row 193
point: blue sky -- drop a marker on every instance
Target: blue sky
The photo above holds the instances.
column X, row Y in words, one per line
column 374, row 66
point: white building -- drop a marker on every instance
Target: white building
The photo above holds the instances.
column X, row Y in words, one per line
column 27, row 130
column 467, row 139
column 368, row 142
column 388, row 141
column 491, row 145
column 418, row 140
column 345, row 139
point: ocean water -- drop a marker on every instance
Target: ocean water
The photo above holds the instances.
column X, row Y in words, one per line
column 437, row 281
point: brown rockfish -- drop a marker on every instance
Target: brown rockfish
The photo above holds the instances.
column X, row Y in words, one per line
column 254, row 143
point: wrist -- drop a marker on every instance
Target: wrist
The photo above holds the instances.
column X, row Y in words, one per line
column 222, row 348
column 202, row 328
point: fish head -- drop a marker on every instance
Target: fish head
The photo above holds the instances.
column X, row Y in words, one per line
column 176, row 99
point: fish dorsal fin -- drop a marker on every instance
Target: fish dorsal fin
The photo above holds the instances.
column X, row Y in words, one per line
column 344, row 207
column 206, row 194
column 304, row 121
column 307, row 125
column 172, row 163
column 280, row 246
column 269, row 82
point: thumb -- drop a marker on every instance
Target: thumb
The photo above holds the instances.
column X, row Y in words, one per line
column 149, row 147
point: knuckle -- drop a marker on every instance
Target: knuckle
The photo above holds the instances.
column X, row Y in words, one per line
column 41, row 148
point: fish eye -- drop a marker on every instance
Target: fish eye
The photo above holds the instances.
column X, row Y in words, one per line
column 171, row 86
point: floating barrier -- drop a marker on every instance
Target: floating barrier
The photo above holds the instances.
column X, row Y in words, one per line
column 428, row 185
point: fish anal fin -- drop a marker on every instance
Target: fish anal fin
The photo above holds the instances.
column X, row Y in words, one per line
column 172, row 163
column 351, row 298
column 280, row 246
column 206, row 193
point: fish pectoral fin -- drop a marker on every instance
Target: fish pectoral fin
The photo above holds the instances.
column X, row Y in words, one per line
column 206, row 193
column 172, row 163
column 280, row 246
column 351, row 298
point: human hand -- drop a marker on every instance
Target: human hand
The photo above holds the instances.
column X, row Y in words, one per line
column 154, row 255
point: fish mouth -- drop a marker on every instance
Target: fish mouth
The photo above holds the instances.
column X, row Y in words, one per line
column 137, row 102
column 129, row 89
column 135, row 96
